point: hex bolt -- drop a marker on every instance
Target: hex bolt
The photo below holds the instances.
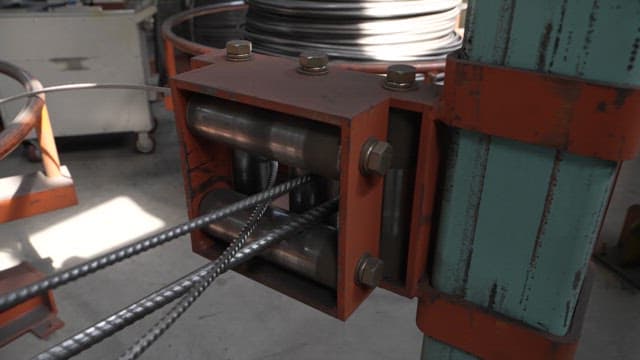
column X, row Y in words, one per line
column 369, row 271
column 313, row 63
column 400, row 77
column 238, row 50
column 375, row 157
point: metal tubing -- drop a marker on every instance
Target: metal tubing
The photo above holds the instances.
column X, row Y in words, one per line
column 312, row 255
column 304, row 144
column 115, row 256
column 185, row 45
column 29, row 115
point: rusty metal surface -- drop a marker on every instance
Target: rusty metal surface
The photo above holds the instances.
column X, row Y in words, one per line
column 13, row 133
column 273, row 83
column 490, row 335
column 264, row 71
column 353, row 102
column 28, row 195
column 582, row 117
column 24, row 196
column 36, row 315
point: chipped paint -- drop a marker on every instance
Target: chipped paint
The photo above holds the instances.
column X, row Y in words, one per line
column 564, row 37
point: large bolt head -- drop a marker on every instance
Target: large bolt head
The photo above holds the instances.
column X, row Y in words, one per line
column 238, row 50
column 400, row 77
column 376, row 157
column 370, row 271
column 313, row 62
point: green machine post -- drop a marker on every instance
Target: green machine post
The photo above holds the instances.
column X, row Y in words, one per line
column 518, row 221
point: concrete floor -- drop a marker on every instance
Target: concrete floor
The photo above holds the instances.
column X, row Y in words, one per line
column 124, row 195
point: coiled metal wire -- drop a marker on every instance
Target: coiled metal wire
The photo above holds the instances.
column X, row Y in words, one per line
column 101, row 330
column 113, row 257
column 374, row 30
column 219, row 265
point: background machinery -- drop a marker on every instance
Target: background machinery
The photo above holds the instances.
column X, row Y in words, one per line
column 482, row 194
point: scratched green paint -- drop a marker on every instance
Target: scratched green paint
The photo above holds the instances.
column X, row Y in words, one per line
column 537, row 283
column 512, row 201
column 469, row 152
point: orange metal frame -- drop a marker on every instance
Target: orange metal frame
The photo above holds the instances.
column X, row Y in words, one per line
column 585, row 118
column 37, row 314
column 362, row 116
column 423, row 101
column 489, row 335
column 55, row 188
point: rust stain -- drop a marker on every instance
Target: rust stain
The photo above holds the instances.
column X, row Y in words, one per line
column 474, row 207
column 556, row 43
column 492, row 296
column 565, row 57
column 634, row 53
column 504, row 28
column 621, row 97
column 548, row 202
column 588, row 37
column 544, row 45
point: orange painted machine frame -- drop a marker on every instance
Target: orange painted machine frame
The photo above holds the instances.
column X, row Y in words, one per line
column 423, row 101
column 489, row 335
column 586, row 118
column 37, row 314
column 33, row 194
column 357, row 104
column 358, row 118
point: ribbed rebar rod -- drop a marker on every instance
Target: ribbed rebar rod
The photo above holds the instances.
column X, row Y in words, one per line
column 219, row 265
column 115, row 256
column 101, row 330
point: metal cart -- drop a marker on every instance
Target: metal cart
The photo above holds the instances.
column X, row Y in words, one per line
column 81, row 44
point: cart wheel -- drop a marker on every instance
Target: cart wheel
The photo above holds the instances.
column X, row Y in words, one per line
column 145, row 143
column 154, row 124
column 32, row 151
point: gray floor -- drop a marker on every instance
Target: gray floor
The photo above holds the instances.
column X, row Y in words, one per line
column 125, row 195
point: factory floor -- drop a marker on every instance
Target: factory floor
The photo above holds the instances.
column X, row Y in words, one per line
column 124, row 195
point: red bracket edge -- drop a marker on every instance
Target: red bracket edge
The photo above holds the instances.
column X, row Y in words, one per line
column 588, row 118
column 493, row 336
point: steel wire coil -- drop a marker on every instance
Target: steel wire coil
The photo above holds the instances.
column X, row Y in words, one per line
column 374, row 30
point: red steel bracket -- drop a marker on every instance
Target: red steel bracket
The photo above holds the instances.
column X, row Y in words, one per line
column 493, row 336
column 582, row 117
column 37, row 314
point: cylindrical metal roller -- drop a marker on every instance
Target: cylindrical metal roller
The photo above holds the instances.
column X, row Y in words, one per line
column 404, row 130
column 312, row 254
column 250, row 173
column 293, row 141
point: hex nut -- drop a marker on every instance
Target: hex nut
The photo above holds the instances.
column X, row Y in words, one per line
column 376, row 157
column 370, row 271
column 313, row 63
column 400, row 77
column 238, row 50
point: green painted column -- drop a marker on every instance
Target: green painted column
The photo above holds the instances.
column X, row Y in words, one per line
column 519, row 221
